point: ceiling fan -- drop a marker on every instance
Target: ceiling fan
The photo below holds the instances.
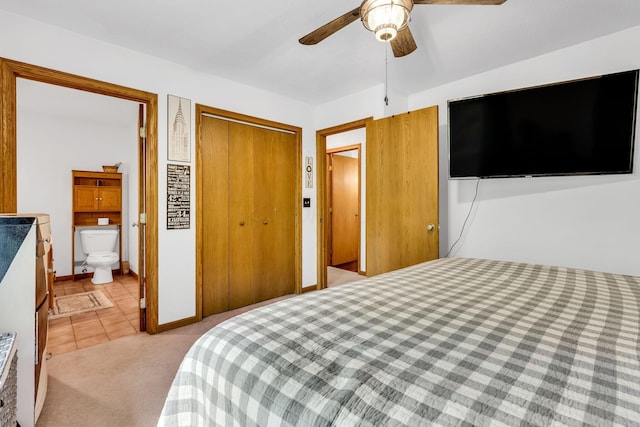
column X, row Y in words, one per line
column 388, row 19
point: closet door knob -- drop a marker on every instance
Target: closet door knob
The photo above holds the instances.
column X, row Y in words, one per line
column 241, row 223
column 265, row 222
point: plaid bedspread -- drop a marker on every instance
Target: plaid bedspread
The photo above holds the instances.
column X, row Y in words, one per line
column 463, row 342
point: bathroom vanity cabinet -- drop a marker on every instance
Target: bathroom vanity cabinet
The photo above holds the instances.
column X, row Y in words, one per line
column 96, row 195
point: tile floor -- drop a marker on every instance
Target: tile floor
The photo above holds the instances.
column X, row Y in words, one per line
column 84, row 330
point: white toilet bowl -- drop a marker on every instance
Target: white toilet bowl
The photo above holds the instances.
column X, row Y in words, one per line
column 99, row 245
column 102, row 262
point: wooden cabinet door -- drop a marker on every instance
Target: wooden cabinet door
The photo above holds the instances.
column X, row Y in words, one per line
column 110, row 199
column 402, row 190
column 85, row 199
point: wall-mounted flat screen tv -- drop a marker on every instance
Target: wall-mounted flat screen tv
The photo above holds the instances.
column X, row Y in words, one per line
column 579, row 127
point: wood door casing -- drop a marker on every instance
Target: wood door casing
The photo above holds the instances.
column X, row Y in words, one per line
column 344, row 204
column 402, row 190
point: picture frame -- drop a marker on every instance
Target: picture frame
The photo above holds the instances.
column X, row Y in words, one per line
column 178, row 129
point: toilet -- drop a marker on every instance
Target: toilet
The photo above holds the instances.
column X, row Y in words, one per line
column 99, row 246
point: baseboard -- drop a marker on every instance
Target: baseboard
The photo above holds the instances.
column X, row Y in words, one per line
column 309, row 288
column 177, row 324
column 362, row 273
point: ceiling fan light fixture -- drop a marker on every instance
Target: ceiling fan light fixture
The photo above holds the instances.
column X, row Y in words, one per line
column 385, row 17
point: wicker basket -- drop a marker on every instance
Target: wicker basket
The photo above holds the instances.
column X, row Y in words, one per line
column 110, row 169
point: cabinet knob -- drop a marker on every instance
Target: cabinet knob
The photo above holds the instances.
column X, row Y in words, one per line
column 241, row 223
column 265, row 222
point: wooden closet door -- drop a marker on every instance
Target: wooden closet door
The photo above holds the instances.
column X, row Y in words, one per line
column 215, row 224
column 274, row 253
column 242, row 224
column 249, row 206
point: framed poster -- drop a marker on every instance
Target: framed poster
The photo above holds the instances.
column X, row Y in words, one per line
column 178, row 197
column 179, row 129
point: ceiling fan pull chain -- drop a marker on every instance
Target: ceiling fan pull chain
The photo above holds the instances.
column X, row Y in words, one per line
column 386, row 74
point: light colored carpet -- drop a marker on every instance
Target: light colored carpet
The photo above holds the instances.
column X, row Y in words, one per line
column 122, row 382
column 69, row 305
column 338, row 276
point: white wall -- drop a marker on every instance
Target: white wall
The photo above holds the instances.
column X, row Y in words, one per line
column 44, row 45
column 588, row 222
column 344, row 139
column 602, row 238
column 59, row 130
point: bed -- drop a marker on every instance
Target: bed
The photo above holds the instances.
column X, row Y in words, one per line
column 465, row 342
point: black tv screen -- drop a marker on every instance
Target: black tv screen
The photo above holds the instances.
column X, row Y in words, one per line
column 580, row 127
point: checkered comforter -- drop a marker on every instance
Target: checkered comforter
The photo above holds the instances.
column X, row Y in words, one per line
column 450, row 342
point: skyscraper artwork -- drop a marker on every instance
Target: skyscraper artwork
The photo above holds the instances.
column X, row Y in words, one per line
column 178, row 132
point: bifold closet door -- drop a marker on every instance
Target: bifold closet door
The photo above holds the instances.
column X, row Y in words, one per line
column 262, row 214
column 215, row 205
column 248, row 202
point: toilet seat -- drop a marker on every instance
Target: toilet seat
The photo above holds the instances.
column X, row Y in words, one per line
column 102, row 257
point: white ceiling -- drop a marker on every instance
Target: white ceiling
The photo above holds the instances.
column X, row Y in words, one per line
column 255, row 42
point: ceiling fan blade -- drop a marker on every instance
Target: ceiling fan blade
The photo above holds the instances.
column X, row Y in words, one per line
column 469, row 2
column 327, row 29
column 403, row 43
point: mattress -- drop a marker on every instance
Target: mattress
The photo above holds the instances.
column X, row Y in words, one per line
column 465, row 342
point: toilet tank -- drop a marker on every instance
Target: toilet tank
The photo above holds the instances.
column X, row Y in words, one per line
column 98, row 240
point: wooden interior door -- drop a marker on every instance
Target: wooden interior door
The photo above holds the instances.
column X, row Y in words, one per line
column 402, row 190
column 344, row 207
column 215, row 226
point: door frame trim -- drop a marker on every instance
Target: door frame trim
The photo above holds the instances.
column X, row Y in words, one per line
column 321, row 193
column 238, row 117
column 10, row 71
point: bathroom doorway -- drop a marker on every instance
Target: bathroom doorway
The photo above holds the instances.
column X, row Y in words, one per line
column 12, row 72
column 60, row 130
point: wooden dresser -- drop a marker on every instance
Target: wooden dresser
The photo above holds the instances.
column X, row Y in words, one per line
column 25, row 243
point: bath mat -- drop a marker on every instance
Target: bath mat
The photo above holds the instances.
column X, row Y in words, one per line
column 68, row 305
